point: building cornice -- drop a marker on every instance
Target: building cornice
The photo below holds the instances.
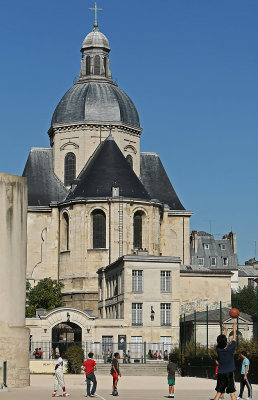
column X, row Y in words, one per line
column 82, row 125
column 140, row 258
column 106, row 200
column 178, row 213
column 209, row 272
column 39, row 209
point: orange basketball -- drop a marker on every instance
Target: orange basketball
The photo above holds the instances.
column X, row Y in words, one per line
column 234, row 312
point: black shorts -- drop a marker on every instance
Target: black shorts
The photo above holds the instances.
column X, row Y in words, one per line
column 226, row 382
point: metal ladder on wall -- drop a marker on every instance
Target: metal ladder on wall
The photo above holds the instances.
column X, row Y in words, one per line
column 121, row 225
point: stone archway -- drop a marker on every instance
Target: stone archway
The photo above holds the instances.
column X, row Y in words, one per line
column 65, row 334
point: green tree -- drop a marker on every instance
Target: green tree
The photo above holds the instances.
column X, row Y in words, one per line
column 245, row 300
column 46, row 294
column 75, row 358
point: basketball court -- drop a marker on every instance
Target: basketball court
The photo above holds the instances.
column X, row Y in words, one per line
column 130, row 387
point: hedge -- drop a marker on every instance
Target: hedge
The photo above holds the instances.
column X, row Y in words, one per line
column 203, row 366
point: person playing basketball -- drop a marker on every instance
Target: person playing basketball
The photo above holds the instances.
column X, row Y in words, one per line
column 226, row 368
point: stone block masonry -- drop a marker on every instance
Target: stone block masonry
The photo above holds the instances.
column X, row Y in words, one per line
column 14, row 336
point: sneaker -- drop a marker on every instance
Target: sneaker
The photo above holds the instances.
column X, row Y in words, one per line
column 54, row 394
column 93, row 395
column 66, row 394
column 238, row 397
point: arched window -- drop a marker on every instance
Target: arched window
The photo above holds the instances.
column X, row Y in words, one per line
column 69, row 168
column 129, row 159
column 99, row 229
column 105, row 66
column 97, row 65
column 65, row 231
column 88, row 65
column 137, row 230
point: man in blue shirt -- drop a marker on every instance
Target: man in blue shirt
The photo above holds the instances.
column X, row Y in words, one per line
column 244, row 377
column 226, row 368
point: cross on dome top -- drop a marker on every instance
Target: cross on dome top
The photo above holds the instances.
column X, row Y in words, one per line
column 96, row 9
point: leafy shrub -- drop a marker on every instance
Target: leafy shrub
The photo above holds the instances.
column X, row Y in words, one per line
column 75, row 357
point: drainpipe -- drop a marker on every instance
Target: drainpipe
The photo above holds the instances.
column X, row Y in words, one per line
column 58, row 247
column 183, row 240
column 109, row 232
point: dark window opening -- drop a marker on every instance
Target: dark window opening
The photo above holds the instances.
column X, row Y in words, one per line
column 129, row 159
column 105, row 66
column 66, row 231
column 137, row 230
column 69, row 168
column 88, row 65
column 99, row 229
column 97, row 65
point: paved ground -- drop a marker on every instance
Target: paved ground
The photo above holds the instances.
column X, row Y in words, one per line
column 130, row 387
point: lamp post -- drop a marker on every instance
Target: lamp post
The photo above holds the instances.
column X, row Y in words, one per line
column 152, row 316
column 68, row 317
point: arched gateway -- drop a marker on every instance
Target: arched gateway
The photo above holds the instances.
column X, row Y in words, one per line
column 64, row 335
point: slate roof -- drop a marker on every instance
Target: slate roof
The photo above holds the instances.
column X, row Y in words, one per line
column 156, row 181
column 43, row 184
column 247, row 271
column 214, row 250
column 96, row 102
column 214, row 315
column 205, row 270
column 108, row 168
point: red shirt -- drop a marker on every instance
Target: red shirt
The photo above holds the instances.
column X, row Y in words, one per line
column 89, row 366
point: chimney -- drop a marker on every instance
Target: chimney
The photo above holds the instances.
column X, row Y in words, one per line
column 194, row 241
column 232, row 238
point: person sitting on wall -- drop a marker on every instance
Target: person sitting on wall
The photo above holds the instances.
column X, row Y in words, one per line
column 40, row 352
column 36, row 354
column 149, row 355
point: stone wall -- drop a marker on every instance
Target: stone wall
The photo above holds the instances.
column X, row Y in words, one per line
column 199, row 289
column 14, row 337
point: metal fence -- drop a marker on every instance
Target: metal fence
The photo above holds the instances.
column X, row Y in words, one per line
column 103, row 351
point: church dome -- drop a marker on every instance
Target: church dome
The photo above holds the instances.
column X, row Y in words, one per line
column 95, row 39
column 95, row 101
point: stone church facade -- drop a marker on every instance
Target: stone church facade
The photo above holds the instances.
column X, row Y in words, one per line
column 95, row 199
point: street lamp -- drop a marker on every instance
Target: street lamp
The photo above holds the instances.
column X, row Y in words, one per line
column 68, row 317
column 152, row 314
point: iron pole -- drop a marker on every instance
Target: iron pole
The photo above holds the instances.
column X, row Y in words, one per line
column 237, row 343
column 207, row 323
column 220, row 316
column 257, row 314
column 195, row 333
column 184, row 334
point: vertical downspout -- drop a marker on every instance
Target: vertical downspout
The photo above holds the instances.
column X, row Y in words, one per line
column 109, row 232
column 58, row 247
column 183, row 240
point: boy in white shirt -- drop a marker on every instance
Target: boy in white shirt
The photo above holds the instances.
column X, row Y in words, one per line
column 59, row 378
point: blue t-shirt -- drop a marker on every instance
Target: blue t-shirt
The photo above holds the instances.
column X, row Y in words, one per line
column 226, row 358
column 244, row 363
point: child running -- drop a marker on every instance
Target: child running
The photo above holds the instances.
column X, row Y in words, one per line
column 89, row 367
column 171, row 369
column 59, row 378
column 226, row 364
column 115, row 372
column 244, row 377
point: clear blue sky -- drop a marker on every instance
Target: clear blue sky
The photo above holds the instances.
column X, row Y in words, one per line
column 190, row 66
